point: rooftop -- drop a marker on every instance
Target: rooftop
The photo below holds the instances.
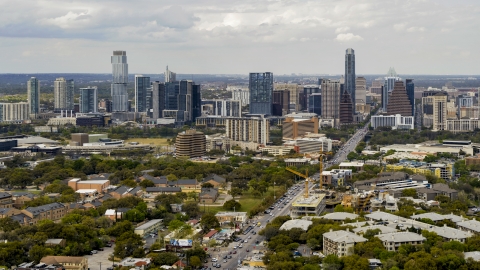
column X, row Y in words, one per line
column 401, row 237
column 296, row 223
column 473, row 225
column 343, row 236
column 312, row 200
column 340, row 216
column 149, row 224
column 450, row 233
column 383, row 229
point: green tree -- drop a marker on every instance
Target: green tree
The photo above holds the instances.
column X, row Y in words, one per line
column 37, row 252
column 409, row 192
column 207, row 185
column 332, row 262
column 209, row 221
column 195, row 261
column 166, row 258
column 232, row 205
column 147, row 183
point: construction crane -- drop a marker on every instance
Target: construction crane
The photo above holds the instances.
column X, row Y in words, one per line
column 320, row 161
column 307, row 179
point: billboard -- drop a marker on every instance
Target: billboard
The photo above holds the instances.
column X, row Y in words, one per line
column 181, row 242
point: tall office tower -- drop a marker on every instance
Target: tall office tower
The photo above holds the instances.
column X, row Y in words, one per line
column 170, row 76
column 410, row 86
column 304, row 96
column 242, row 95
column 222, row 107
column 439, row 111
column 33, row 95
column 149, row 101
column 120, row 81
column 261, row 92
column 158, row 99
column 398, row 101
column 63, row 94
column 346, row 108
column 350, row 74
column 185, row 99
column 88, row 100
column 463, row 101
column 281, row 102
column 295, row 91
column 197, row 102
column 376, row 87
column 360, row 90
column 142, row 85
column 331, row 90
column 315, row 103
column 388, row 86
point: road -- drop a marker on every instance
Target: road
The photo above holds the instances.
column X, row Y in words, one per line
column 348, row 146
column 281, row 210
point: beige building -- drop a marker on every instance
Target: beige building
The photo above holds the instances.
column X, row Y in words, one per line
column 439, row 111
column 99, row 185
column 331, row 100
column 190, row 144
column 6, row 200
column 392, row 241
column 68, row 262
column 360, row 90
column 340, row 243
column 294, row 89
column 63, row 94
column 231, row 217
column 248, row 129
column 277, row 150
column 14, row 112
column 298, row 127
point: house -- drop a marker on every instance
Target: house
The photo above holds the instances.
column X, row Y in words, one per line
column 157, row 181
column 209, row 235
column 437, row 217
column 68, row 262
column 231, row 217
column 22, row 219
column 214, row 179
column 52, row 211
column 208, row 195
column 8, row 212
column 296, row 223
column 122, row 212
column 154, row 191
column 111, row 214
column 194, row 223
column 20, row 198
column 392, row 241
column 437, row 189
column 185, row 184
column 340, row 243
column 179, row 265
column 124, row 191
column 55, row 242
column 6, row 200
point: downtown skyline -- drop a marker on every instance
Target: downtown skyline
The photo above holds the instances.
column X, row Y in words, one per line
column 238, row 37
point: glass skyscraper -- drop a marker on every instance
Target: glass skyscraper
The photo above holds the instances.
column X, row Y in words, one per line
column 33, row 95
column 142, row 86
column 88, row 100
column 350, row 74
column 410, row 86
column 119, row 82
column 261, row 93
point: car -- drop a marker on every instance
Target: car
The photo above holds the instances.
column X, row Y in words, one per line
column 214, row 259
column 219, row 266
column 224, row 257
column 248, row 250
column 108, row 244
column 101, row 249
column 214, row 264
column 250, row 237
column 225, row 261
column 245, row 241
column 234, row 252
column 93, row 252
column 229, row 256
column 235, row 247
column 230, row 252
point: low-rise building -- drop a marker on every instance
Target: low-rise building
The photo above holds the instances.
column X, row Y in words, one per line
column 279, row 150
column 214, row 179
column 210, row 235
column 136, row 263
column 296, row 223
column 350, row 165
column 154, row 191
column 53, row 242
column 68, row 262
column 383, row 229
column 124, row 191
column 8, row 212
column 429, row 194
column 20, row 198
column 340, row 216
column 340, row 243
column 450, row 234
column 296, row 161
column 53, row 211
column 231, row 217
column 472, row 226
column 312, row 205
column 6, row 200
column 336, row 177
column 208, row 195
column 100, row 185
column 149, row 227
column 392, row 241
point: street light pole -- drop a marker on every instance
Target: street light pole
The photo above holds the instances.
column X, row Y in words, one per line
column 274, row 197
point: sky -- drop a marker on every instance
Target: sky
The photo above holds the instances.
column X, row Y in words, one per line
column 241, row 36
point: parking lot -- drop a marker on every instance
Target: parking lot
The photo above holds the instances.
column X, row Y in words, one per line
column 101, row 257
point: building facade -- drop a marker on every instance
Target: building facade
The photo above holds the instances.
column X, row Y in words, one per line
column 388, row 86
column 410, row 87
column 88, row 100
column 33, row 95
column 331, row 90
column 395, row 121
column 190, row 144
column 242, row 95
column 399, row 102
column 63, row 94
column 14, row 112
column 142, row 86
column 119, row 81
column 248, row 129
column 170, row 76
column 439, row 112
column 295, row 127
column 222, row 107
column 261, row 93
column 346, row 108
column 340, row 243
column 350, row 75
column 360, row 90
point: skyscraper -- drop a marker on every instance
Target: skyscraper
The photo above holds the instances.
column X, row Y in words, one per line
column 197, row 102
column 360, row 90
column 388, row 86
column 410, row 86
column 331, row 90
column 346, row 108
column 281, row 102
column 350, row 74
column 33, row 95
column 398, row 101
column 315, row 103
column 158, row 99
column 170, row 76
column 88, row 100
column 142, row 85
column 439, row 111
column 261, row 93
column 63, row 93
column 119, row 82
column 185, row 99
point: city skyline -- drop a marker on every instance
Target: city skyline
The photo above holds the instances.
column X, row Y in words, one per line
column 310, row 37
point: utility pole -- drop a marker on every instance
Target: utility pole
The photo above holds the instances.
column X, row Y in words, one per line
column 274, row 197
column 100, row 265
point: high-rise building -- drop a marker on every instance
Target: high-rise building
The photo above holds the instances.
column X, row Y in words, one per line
column 190, row 144
column 119, row 82
column 350, row 74
column 360, row 90
column 331, row 90
column 242, row 95
column 295, row 91
column 158, row 99
column 197, row 102
column 463, row 101
column 222, row 107
column 398, row 101
column 377, row 86
column 298, row 127
column 88, row 100
column 185, row 98
column 439, row 111
column 261, row 93
column 281, row 102
column 142, row 86
column 410, row 87
column 315, row 103
column 346, row 108
column 304, row 97
column 33, row 95
column 388, row 86
column 248, row 129
column 63, row 93
column 14, row 112
column 170, row 76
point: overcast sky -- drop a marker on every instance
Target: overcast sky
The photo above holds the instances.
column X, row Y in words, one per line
column 241, row 36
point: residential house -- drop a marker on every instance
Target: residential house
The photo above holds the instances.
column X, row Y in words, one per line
column 392, row 241
column 437, row 189
column 6, row 200
column 68, row 262
column 208, row 195
column 214, row 179
column 53, row 242
column 124, row 191
column 231, row 217
column 8, row 212
column 111, row 214
column 340, row 243
column 209, row 235
column 20, row 198
column 52, row 211
column 154, row 191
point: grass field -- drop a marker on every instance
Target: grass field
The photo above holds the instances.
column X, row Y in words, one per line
column 247, row 201
column 154, row 141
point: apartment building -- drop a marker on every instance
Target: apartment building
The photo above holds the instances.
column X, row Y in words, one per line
column 340, row 243
column 6, row 200
column 190, row 144
column 248, row 129
column 32, row 215
column 294, row 127
column 392, row 241
column 68, row 262
column 14, row 112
